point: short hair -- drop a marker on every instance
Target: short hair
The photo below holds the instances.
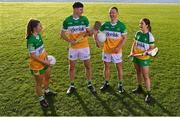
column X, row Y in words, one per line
column 115, row 8
column 78, row 5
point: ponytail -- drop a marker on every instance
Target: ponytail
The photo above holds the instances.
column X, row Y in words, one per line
column 149, row 27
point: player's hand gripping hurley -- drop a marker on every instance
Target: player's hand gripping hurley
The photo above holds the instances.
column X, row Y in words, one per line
column 152, row 52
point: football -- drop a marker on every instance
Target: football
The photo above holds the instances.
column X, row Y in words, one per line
column 51, row 59
column 101, row 36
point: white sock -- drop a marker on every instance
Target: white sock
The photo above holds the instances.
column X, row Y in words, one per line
column 46, row 90
column 41, row 98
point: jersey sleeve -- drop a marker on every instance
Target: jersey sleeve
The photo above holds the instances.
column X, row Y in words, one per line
column 123, row 29
column 65, row 25
column 86, row 22
column 135, row 36
column 102, row 27
column 151, row 39
column 30, row 45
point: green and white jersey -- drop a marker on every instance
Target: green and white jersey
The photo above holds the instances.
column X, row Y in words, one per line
column 35, row 45
column 76, row 28
column 143, row 41
column 114, row 33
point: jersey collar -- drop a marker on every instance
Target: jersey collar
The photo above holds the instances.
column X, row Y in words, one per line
column 75, row 18
column 114, row 23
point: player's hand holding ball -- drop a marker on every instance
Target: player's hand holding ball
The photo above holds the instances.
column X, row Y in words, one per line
column 101, row 36
column 51, row 60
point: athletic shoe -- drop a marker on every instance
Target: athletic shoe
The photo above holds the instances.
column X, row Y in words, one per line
column 50, row 94
column 70, row 90
column 91, row 88
column 138, row 90
column 44, row 103
column 120, row 89
column 148, row 98
column 104, row 87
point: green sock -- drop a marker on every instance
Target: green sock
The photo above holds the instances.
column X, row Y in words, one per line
column 89, row 82
column 139, row 86
column 149, row 92
column 72, row 83
column 41, row 98
column 120, row 81
column 106, row 81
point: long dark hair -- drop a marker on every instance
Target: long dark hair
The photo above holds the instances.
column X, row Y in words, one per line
column 30, row 26
column 147, row 22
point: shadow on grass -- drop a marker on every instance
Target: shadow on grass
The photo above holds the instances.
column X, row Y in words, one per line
column 85, row 108
column 127, row 103
column 155, row 102
column 103, row 103
column 146, row 111
column 51, row 110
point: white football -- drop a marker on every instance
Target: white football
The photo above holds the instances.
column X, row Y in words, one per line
column 51, row 59
column 101, row 37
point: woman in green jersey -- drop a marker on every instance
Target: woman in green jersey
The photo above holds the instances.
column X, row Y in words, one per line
column 39, row 66
column 143, row 42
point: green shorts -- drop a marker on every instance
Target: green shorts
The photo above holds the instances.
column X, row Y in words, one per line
column 141, row 62
column 39, row 72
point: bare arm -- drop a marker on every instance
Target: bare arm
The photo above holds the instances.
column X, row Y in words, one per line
column 123, row 41
column 120, row 45
column 98, row 44
column 89, row 32
column 64, row 36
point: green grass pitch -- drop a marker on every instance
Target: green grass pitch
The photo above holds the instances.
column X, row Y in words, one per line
column 17, row 95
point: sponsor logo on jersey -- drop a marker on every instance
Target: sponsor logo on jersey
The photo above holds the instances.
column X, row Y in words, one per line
column 112, row 34
column 77, row 29
column 140, row 44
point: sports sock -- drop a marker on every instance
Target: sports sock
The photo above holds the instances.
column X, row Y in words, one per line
column 41, row 98
column 46, row 90
column 72, row 83
column 148, row 92
column 106, row 81
column 140, row 86
column 120, row 83
column 89, row 82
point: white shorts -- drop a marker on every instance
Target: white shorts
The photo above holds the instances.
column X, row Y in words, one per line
column 115, row 58
column 82, row 54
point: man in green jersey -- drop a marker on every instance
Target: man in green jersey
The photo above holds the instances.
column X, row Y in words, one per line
column 74, row 27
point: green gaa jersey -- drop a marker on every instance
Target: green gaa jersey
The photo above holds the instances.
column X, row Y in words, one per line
column 35, row 45
column 143, row 41
column 76, row 28
column 114, row 34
